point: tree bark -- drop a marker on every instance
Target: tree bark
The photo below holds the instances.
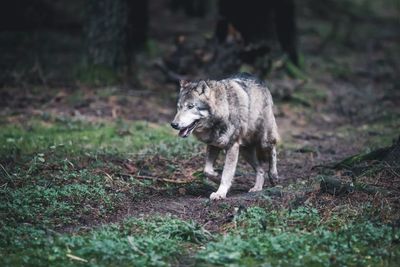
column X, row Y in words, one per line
column 114, row 29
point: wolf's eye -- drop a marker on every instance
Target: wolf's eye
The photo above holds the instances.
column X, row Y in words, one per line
column 190, row 106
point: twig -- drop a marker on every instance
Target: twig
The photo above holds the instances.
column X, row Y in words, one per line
column 159, row 179
column 108, row 176
column 134, row 247
column 324, row 166
column 5, row 171
column 164, row 179
column 76, row 258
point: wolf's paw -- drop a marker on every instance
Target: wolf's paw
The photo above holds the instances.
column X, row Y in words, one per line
column 255, row 189
column 273, row 178
column 211, row 173
column 216, row 196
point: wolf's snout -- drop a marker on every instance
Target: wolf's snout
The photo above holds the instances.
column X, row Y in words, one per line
column 175, row 125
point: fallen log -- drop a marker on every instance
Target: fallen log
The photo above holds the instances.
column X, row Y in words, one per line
column 389, row 155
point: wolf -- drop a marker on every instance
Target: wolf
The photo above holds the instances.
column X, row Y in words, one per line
column 233, row 114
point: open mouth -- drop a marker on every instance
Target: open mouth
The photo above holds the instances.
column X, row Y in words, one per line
column 185, row 132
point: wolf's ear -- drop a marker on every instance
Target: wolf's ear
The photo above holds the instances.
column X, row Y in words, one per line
column 183, row 83
column 203, row 89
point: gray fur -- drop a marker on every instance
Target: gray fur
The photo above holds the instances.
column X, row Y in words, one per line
column 231, row 114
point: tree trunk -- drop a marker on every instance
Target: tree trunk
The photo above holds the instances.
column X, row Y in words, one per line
column 113, row 30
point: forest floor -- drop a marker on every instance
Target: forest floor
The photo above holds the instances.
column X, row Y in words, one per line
column 95, row 176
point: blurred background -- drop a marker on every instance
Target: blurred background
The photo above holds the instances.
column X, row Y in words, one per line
column 142, row 48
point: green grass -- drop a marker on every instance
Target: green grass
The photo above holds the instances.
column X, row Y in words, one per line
column 135, row 242
column 55, row 173
column 53, row 177
column 298, row 238
column 41, row 201
column 75, row 137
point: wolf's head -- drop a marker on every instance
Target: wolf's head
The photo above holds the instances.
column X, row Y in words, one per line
column 192, row 108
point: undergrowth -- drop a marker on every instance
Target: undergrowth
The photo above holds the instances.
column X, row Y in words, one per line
column 56, row 172
column 135, row 242
column 297, row 238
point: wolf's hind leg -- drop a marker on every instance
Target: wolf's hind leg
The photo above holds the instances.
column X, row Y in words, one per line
column 232, row 155
column 211, row 156
column 250, row 156
column 266, row 152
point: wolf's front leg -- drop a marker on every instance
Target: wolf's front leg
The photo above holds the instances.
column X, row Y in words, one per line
column 232, row 155
column 273, row 172
column 212, row 154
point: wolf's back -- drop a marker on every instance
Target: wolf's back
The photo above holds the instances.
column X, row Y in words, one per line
column 255, row 105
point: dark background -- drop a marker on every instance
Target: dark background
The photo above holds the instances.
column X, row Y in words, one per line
column 59, row 41
column 103, row 42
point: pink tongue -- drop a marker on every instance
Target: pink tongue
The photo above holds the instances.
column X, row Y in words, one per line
column 183, row 132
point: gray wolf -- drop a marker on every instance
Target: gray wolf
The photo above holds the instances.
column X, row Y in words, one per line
column 231, row 114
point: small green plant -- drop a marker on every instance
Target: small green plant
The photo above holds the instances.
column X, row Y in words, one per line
column 135, row 242
column 296, row 238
